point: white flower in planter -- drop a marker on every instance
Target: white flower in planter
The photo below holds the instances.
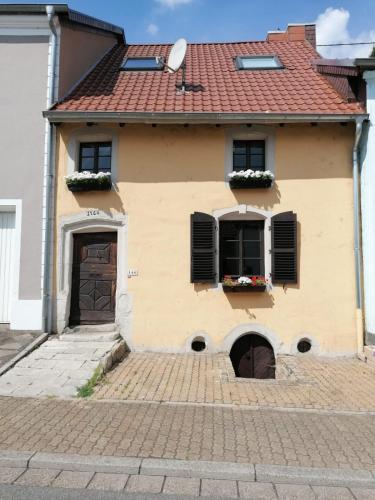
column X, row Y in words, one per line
column 251, row 174
column 84, row 176
column 244, row 280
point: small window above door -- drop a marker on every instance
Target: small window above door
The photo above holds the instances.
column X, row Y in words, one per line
column 95, row 157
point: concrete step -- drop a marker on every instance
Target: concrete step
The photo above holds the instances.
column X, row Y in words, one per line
column 108, row 327
column 369, row 352
column 90, row 337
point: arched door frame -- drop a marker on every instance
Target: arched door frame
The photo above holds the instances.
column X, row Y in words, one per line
column 258, row 329
column 92, row 221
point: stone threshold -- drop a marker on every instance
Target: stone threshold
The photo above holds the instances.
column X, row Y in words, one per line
column 261, row 473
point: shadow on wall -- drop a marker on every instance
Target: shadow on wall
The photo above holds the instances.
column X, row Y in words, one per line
column 103, row 200
column 265, row 198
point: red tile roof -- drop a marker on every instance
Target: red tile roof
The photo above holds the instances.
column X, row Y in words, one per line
column 298, row 88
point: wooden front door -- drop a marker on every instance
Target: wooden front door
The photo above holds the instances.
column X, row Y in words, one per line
column 94, row 278
column 252, row 357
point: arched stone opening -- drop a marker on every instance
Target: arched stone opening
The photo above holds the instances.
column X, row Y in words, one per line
column 252, row 356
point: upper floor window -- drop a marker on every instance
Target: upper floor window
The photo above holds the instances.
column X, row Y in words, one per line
column 258, row 62
column 249, row 155
column 142, row 64
column 95, row 157
column 241, row 248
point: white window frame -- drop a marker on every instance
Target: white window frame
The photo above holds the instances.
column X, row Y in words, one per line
column 254, row 133
column 92, row 134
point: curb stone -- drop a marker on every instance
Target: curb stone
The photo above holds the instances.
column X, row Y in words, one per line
column 201, row 469
column 85, row 463
column 15, row 458
column 189, row 469
column 314, row 475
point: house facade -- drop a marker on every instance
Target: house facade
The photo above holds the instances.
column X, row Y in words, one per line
column 37, row 43
column 230, row 210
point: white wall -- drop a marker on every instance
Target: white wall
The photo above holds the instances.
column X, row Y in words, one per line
column 368, row 209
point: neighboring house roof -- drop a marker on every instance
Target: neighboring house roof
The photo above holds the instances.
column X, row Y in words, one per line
column 220, row 87
column 65, row 12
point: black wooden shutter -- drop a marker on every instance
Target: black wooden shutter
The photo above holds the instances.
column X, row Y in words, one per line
column 203, row 248
column 284, row 248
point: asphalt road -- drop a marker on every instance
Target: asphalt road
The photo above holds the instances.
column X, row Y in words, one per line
column 8, row 492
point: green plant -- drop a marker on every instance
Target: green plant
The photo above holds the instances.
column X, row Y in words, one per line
column 87, row 390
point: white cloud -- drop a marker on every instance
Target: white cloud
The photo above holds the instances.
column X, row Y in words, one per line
column 332, row 27
column 171, row 4
column 152, row 29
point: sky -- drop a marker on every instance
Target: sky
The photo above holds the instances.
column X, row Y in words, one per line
column 160, row 21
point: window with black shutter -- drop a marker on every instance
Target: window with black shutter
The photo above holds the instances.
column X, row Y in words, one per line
column 241, row 248
column 284, row 248
column 203, row 248
column 249, row 155
column 95, row 157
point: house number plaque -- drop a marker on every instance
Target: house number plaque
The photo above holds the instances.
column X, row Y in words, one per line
column 92, row 212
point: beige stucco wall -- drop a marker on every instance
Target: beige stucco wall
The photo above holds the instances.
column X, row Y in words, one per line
column 80, row 49
column 166, row 173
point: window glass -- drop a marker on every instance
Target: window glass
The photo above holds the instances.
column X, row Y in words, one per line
column 88, row 151
column 251, row 267
column 87, row 164
column 95, row 157
column 258, row 62
column 104, row 163
column 142, row 63
column 241, row 248
column 231, row 248
column 249, row 155
column 251, row 249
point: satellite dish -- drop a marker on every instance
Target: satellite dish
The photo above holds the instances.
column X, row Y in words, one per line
column 177, row 55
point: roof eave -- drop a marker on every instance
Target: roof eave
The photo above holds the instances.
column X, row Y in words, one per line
column 56, row 116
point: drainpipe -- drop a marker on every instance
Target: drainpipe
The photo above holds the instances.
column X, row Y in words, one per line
column 357, row 237
column 49, row 178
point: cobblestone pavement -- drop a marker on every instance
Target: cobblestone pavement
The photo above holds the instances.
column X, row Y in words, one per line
column 191, row 432
column 302, row 382
column 193, row 487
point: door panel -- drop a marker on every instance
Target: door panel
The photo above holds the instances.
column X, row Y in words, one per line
column 7, row 232
column 94, row 278
column 252, row 357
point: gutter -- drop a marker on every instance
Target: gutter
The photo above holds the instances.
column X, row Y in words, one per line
column 357, row 237
column 48, row 180
column 57, row 116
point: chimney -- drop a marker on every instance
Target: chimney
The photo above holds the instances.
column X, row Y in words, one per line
column 294, row 33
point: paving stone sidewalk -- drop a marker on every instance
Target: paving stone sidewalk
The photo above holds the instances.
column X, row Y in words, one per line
column 304, row 381
column 188, row 432
column 193, row 487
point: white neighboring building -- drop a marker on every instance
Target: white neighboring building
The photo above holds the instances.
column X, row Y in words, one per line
column 45, row 50
column 367, row 156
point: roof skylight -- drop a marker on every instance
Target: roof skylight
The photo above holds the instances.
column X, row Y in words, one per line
column 142, row 64
column 258, row 62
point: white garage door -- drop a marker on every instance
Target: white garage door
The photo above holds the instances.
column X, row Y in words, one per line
column 7, row 230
